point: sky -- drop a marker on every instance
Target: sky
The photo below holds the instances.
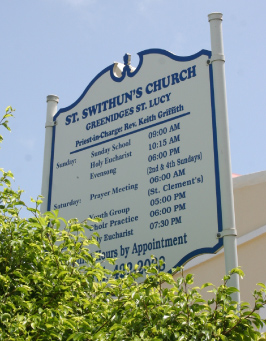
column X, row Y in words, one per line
column 59, row 46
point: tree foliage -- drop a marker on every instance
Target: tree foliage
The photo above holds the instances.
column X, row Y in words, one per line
column 45, row 294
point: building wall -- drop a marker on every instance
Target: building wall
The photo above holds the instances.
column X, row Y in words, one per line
column 250, row 217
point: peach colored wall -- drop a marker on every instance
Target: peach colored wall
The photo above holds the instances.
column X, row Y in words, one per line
column 250, row 208
column 252, row 259
column 250, row 213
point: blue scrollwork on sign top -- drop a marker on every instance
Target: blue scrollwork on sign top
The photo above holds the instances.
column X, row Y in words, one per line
column 127, row 69
column 127, row 59
column 120, row 71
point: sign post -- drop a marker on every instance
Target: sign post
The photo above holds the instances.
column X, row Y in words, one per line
column 52, row 101
column 229, row 231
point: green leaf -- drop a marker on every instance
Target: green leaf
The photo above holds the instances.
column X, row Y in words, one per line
column 207, row 285
column 5, row 317
column 189, row 279
column 95, row 220
column 237, row 271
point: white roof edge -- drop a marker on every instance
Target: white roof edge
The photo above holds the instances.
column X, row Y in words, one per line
column 249, row 180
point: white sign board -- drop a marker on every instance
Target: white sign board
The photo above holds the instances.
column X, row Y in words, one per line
column 140, row 151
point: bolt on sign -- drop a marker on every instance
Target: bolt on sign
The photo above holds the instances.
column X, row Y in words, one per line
column 139, row 150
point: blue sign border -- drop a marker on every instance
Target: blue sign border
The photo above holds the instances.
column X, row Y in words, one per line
column 128, row 72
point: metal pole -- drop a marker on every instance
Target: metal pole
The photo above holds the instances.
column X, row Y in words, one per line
column 52, row 101
column 229, row 231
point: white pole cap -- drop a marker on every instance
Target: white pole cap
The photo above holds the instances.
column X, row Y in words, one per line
column 52, row 98
column 215, row 16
